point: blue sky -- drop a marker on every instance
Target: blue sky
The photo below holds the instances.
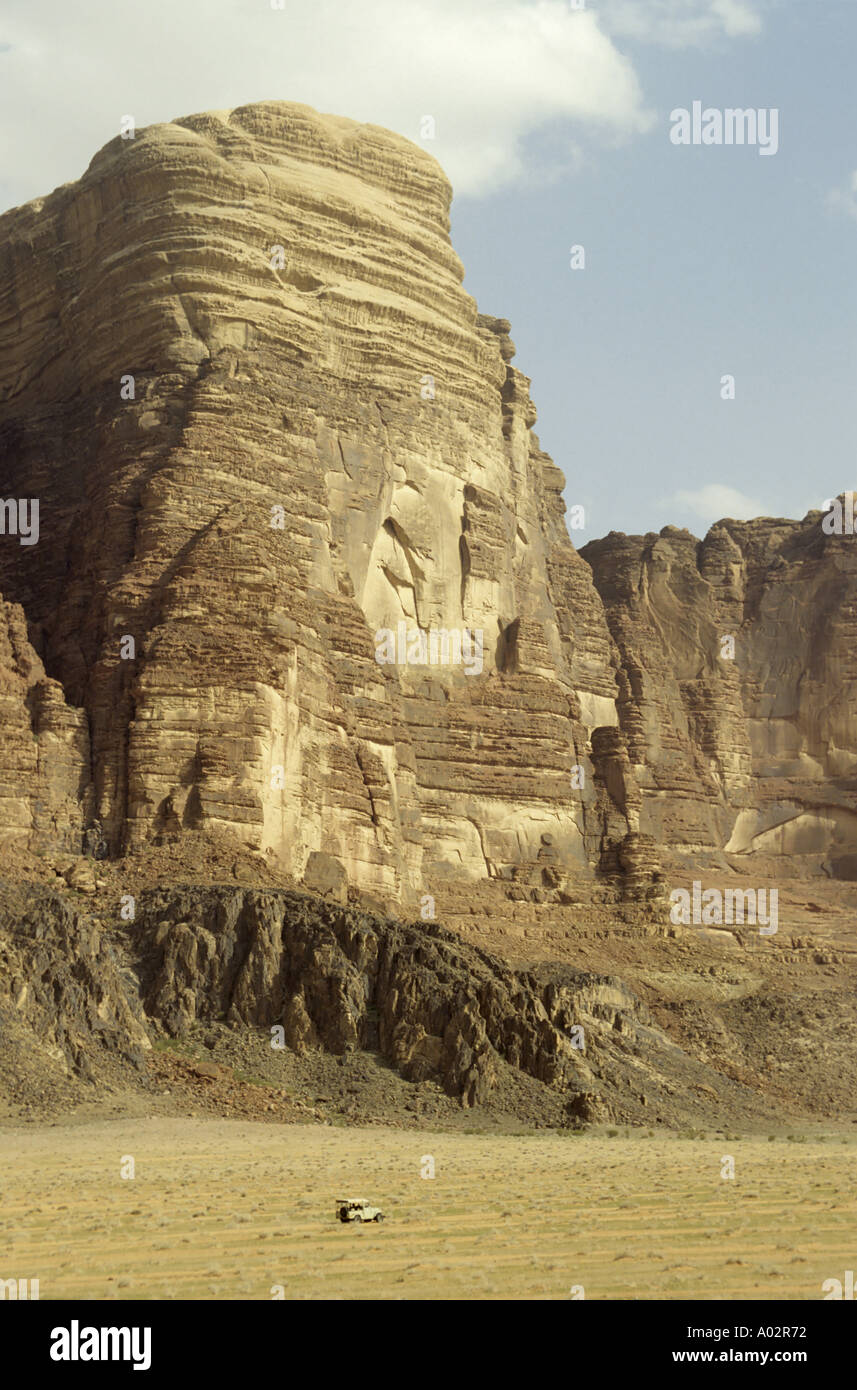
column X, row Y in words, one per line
column 700, row 261
column 553, row 121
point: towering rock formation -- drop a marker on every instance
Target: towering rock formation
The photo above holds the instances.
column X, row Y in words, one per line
column 738, row 687
column 302, row 574
column 267, row 426
column 301, row 580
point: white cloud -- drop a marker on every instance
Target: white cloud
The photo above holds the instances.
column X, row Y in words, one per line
column 491, row 72
column 716, row 501
column 681, row 23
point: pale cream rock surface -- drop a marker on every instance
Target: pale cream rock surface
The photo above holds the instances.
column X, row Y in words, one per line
column 282, row 288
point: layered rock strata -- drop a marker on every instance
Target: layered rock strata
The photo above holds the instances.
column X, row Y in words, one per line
column 266, row 426
column 44, row 748
column 738, row 688
column 302, row 575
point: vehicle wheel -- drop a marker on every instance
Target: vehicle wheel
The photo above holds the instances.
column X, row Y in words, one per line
column 379, row 1217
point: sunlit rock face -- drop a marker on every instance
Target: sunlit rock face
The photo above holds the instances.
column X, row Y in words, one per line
column 302, row 572
column 270, row 434
column 738, row 686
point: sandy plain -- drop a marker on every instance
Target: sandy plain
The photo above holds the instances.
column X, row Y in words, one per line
column 222, row 1209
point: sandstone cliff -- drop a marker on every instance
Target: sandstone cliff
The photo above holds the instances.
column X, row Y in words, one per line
column 265, row 423
column 267, row 426
column 738, row 689
column 44, row 748
column 273, row 440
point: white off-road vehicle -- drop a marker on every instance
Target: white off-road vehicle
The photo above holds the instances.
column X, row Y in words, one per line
column 357, row 1209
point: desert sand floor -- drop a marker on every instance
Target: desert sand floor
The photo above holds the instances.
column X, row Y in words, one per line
column 224, row 1210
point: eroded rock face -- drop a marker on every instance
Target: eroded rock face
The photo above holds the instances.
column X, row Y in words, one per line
column 44, row 748
column 266, row 424
column 64, row 1004
column 286, row 473
column 82, row 1000
column 754, row 755
column 341, row 980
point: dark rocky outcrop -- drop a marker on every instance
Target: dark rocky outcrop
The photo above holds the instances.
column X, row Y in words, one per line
column 341, row 979
column 69, row 1007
